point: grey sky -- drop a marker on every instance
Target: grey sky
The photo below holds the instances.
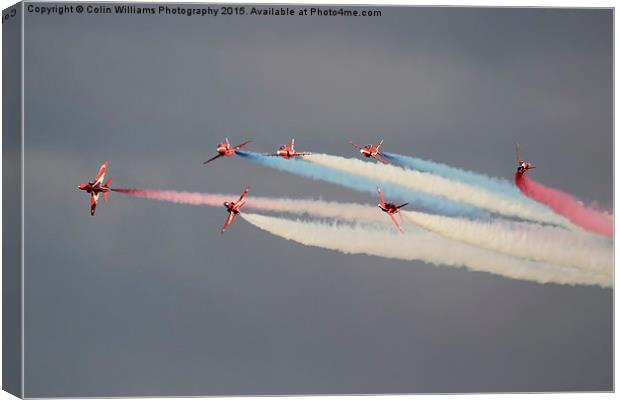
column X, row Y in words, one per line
column 147, row 298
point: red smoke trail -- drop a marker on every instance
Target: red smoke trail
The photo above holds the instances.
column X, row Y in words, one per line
column 566, row 205
column 196, row 199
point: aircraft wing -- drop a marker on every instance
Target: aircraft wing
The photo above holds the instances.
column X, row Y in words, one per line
column 211, row 159
column 395, row 222
column 241, row 145
column 302, row 154
column 379, row 144
column 229, row 220
column 101, row 173
column 93, row 202
column 247, row 189
column 109, row 182
column 380, row 195
column 357, row 146
column 383, row 160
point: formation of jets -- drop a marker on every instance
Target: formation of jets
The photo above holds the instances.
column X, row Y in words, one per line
column 96, row 187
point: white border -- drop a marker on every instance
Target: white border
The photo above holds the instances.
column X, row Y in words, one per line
column 21, row 183
column 468, row 3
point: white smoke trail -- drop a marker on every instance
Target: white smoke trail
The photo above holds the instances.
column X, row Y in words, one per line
column 527, row 240
column 419, row 245
column 437, row 185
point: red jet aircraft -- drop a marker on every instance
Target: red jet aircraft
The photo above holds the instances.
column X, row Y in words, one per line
column 522, row 166
column 225, row 149
column 391, row 209
column 234, row 208
column 97, row 186
column 288, row 151
column 371, row 151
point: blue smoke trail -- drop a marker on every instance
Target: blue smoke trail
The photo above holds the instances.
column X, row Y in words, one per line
column 446, row 171
column 425, row 201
